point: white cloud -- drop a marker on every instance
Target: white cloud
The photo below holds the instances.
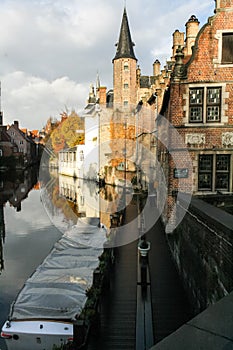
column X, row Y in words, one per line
column 31, row 100
column 50, row 51
column 156, row 37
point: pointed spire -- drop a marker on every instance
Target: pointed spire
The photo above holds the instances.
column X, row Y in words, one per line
column 125, row 44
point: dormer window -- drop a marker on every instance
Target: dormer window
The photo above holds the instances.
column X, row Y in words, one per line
column 227, row 48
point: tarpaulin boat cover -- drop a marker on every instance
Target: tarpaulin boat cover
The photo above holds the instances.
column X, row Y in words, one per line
column 57, row 289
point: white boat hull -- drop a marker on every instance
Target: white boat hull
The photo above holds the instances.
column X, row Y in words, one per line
column 56, row 292
column 36, row 335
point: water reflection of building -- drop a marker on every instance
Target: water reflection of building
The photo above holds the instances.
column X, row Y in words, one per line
column 88, row 198
column 83, row 193
column 14, row 188
column 2, row 236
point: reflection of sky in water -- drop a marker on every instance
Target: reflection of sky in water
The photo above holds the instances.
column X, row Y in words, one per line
column 29, row 234
column 29, row 238
column 32, row 215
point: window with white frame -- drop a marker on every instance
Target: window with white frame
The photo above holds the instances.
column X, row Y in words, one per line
column 214, row 172
column 205, row 104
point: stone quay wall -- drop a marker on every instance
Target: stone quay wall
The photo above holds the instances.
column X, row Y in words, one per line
column 202, row 248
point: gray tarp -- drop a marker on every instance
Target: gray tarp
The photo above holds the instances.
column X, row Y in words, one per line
column 57, row 289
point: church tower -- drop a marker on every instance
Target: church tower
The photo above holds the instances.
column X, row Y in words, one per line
column 124, row 68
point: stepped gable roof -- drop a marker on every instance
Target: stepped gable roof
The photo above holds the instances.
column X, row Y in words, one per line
column 125, row 44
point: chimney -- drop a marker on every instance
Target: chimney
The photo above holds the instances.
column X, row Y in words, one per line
column 192, row 29
column 1, row 118
column 178, row 40
column 102, row 95
column 16, row 124
column 156, row 68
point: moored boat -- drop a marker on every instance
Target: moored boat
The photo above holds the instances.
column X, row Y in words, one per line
column 52, row 299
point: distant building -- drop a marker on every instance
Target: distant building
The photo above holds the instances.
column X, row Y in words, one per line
column 83, row 160
column 26, row 147
column 6, row 147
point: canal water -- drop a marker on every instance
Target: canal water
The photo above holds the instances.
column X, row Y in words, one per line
column 36, row 208
column 26, row 235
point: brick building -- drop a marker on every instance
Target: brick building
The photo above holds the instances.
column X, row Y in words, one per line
column 122, row 124
column 199, row 106
column 193, row 92
column 129, row 85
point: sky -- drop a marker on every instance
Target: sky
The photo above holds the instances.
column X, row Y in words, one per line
column 51, row 50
